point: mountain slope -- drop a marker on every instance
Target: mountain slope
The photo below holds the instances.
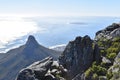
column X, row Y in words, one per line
column 18, row 58
column 2, row 55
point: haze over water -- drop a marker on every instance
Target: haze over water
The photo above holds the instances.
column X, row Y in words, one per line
column 49, row 31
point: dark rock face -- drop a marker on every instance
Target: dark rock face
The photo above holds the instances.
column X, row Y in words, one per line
column 19, row 58
column 36, row 71
column 79, row 77
column 109, row 32
column 79, row 55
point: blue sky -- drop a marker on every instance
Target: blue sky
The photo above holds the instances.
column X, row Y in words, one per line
column 60, row 7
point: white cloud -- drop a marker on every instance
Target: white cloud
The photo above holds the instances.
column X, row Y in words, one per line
column 12, row 28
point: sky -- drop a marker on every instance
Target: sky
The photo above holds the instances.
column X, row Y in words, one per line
column 60, row 7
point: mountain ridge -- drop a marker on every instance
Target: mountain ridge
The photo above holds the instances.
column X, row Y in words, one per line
column 20, row 57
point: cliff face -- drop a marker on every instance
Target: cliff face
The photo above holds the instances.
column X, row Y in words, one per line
column 79, row 55
column 109, row 32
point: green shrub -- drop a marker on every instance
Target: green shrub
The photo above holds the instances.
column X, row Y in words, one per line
column 116, row 66
column 103, row 52
column 95, row 76
column 117, row 39
column 109, row 75
column 99, row 70
column 88, row 72
column 103, row 64
column 111, row 56
column 112, row 50
column 115, row 44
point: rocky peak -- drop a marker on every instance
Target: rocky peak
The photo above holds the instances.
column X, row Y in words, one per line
column 32, row 42
column 86, row 39
column 113, row 27
column 109, row 32
column 79, row 55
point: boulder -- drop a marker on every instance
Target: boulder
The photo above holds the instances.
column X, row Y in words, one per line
column 36, row 71
column 109, row 32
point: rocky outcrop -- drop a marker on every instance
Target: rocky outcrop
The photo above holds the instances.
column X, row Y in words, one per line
column 109, row 32
column 79, row 55
column 46, row 69
column 36, row 71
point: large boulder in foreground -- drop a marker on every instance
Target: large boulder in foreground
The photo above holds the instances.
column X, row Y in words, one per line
column 79, row 55
column 46, row 69
column 36, row 71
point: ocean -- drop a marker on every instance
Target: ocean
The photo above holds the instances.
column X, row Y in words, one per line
column 60, row 30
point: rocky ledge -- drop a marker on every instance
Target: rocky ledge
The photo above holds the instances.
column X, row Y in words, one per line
column 46, row 69
column 109, row 32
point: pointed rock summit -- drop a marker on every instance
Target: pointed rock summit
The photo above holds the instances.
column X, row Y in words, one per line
column 32, row 42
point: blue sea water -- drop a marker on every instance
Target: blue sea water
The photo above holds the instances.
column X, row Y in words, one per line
column 61, row 30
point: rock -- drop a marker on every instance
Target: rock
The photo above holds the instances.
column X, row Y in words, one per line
column 79, row 55
column 102, row 78
column 79, row 77
column 105, row 60
column 109, row 32
column 49, row 77
column 36, row 71
column 26, row 74
column 96, row 53
column 115, row 69
column 31, row 42
column 43, row 70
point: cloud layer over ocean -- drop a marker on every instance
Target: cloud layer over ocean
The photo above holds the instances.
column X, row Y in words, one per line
column 12, row 28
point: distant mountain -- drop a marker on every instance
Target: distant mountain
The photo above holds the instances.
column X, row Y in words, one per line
column 20, row 57
column 60, row 48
